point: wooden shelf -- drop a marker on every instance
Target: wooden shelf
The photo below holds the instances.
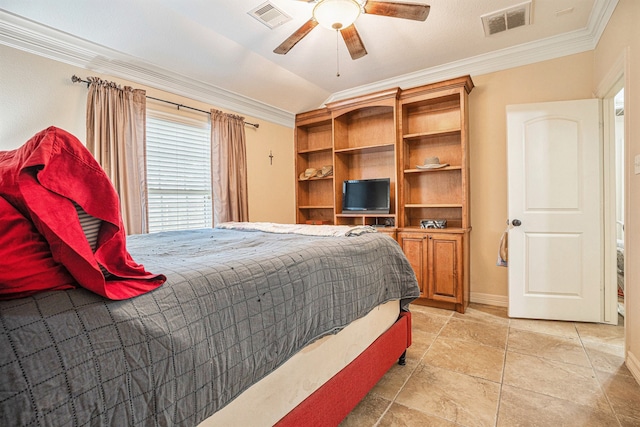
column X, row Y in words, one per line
column 315, row 150
column 368, row 149
column 434, row 133
column 316, row 179
column 455, row 230
column 432, row 205
column 368, row 215
column 373, row 219
column 315, row 207
column 447, row 168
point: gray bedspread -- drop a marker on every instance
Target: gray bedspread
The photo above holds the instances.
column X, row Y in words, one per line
column 236, row 305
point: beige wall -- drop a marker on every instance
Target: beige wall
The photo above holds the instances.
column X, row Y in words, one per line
column 622, row 38
column 573, row 77
column 37, row 92
column 557, row 80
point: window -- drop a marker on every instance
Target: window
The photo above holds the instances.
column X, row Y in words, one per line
column 178, row 172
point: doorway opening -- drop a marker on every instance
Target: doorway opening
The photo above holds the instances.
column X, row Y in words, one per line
column 615, row 156
column 618, row 139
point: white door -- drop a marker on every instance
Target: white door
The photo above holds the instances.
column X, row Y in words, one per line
column 555, row 209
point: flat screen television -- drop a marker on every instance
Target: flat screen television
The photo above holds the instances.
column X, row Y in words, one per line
column 366, row 196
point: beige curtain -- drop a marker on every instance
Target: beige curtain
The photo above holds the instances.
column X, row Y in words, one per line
column 228, row 168
column 116, row 123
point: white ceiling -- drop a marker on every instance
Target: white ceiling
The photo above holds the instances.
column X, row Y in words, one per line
column 213, row 50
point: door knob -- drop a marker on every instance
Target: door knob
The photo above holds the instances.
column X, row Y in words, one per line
column 516, row 223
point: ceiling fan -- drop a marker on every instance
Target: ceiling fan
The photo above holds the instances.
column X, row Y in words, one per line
column 340, row 15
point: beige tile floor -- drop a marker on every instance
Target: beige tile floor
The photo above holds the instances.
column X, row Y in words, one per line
column 483, row 369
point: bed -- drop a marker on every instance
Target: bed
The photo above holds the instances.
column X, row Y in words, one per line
column 235, row 307
column 233, row 325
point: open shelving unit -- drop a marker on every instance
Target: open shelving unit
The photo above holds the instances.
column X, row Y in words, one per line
column 434, row 124
column 314, row 149
column 365, row 147
column 387, row 134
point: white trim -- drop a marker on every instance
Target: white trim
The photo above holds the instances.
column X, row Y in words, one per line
column 599, row 18
column 610, row 271
column 615, row 78
column 29, row 36
column 528, row 53
column 633, row 364
column 489, row 299
column 38, row 39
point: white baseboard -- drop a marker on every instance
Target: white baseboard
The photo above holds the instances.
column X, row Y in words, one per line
column 489, row 299
column 633, row 364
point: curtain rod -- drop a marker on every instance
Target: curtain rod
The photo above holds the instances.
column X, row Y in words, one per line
column 77, row 79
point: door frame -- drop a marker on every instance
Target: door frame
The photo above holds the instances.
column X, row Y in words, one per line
column 615, row 79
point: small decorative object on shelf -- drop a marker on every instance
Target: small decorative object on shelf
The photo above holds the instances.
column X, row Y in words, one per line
column 432, row 163
column 311, row 173
column 308, row 174
column 433, row 223
column 326, row 170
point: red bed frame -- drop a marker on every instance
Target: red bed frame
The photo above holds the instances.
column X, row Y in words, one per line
column 332, row 402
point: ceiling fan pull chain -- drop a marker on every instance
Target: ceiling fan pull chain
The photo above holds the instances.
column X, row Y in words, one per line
column 337, row 53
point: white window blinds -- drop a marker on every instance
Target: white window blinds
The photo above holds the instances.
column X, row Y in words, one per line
column 178, row 172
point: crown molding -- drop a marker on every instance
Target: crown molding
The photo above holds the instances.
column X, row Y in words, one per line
column 41, row 40
column 44, row 41
column 528, row 53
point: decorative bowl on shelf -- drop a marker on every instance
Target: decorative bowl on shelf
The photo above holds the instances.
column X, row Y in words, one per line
column 433, row 223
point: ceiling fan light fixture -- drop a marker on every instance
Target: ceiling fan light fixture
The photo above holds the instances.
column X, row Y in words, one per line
column 336, row 14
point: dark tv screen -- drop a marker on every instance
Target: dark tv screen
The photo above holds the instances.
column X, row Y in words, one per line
column 366, row 195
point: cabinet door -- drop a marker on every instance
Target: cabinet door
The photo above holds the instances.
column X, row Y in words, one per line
column 414, row 246
column 444, row 267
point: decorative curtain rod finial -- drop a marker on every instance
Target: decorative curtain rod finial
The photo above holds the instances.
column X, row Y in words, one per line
column 76, row 79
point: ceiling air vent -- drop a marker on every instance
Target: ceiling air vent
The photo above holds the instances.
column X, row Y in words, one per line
column 507, row 19
column 269, row 15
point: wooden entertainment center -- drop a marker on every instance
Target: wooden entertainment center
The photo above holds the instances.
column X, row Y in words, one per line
column 388, row 134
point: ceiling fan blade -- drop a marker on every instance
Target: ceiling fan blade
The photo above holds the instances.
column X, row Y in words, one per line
column 353, row 41
column 414, row 11
column 294, row 38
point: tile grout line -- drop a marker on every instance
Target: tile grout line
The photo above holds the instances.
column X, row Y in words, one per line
column 395, row 396
column 473, row 376
column 595, row 374
column 504, row 367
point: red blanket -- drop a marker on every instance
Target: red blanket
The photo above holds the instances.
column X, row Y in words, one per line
column 42, row 179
